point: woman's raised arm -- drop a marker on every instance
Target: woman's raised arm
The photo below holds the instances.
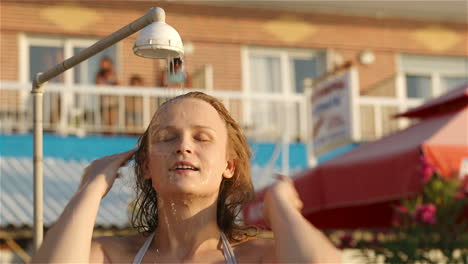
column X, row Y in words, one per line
column 296, row 240
column 69, row 239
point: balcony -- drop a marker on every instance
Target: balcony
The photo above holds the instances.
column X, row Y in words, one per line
column 89, row 109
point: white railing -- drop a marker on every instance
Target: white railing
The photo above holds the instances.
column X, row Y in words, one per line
column 377, row 115
column 81, row 109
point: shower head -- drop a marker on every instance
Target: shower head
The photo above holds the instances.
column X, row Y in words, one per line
column 158, row 40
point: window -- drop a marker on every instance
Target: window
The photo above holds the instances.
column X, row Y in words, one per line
column 85, row 72
column 430, row 76
column 266, row 73
column 448, row 83
column 418, row 86
column 39, row 54
column 303, row 68
column 42, row 58
column 278, row 72
column 42, row 53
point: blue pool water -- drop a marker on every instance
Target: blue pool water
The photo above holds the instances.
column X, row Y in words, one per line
column 92, row 147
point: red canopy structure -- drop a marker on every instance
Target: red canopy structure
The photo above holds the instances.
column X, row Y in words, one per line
column 357, row 189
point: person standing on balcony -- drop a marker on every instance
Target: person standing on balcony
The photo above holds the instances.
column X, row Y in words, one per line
column 192, row 168
column 133, row 107
column 106, row 75
column 175, row 76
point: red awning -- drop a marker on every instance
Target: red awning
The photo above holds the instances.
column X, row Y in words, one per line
column 357, row 188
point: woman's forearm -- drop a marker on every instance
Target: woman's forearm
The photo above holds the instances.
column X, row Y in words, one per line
column 296, row 240
column 69, row 239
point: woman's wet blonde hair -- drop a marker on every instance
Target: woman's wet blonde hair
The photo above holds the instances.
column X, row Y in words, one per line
column 234, row 192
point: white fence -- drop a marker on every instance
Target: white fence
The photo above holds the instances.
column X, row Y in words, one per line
column 82, row 109
column 376, row 116
column 121, row 109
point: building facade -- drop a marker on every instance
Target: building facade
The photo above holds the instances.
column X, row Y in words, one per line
column 254, row 48
column 257, row 56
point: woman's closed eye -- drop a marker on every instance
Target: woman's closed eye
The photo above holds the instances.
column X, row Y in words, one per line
column 204, row 137
column 165, row 136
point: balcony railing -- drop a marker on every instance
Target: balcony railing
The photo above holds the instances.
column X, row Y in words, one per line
column 83, row 109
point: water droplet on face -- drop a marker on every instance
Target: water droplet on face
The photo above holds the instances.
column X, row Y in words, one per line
column 173, row 209
column 204, row 176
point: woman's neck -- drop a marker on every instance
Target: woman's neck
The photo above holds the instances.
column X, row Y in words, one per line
column 186, row 226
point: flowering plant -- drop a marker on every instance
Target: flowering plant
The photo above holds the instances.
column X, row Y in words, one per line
column 429, row 228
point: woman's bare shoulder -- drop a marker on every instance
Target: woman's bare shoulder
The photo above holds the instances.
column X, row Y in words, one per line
column 259, row 249
column 116, row 249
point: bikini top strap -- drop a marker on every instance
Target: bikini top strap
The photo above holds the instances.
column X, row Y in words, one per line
column 227, row 250
column 141, row 253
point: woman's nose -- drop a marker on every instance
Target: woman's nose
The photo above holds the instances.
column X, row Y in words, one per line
column 184, row 146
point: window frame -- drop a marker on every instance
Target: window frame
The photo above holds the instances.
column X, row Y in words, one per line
column 285, row 55
column 67, row 43
column 436, row 75
column 405, row 102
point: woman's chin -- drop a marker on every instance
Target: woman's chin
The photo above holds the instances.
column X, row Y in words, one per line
column 192, row 183
column 187, row 185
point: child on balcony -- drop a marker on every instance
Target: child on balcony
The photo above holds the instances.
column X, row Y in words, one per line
column 175, row 76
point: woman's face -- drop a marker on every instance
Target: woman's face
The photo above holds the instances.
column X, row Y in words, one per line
column 106, row 65
column 188, row 149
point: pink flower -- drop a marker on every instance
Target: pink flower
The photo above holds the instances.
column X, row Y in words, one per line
column 427, row 173
column 400, row 214
column 427, row 169
column 425, row 213
column 401, row 209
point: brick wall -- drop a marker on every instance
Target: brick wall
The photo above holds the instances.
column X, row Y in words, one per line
column 218, row 33
column 8, row 56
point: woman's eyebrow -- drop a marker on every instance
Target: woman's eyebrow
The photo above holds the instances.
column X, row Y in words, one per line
column 203, row 127
column 171, row 128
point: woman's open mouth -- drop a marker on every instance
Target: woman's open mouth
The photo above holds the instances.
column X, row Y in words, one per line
column 183, row 166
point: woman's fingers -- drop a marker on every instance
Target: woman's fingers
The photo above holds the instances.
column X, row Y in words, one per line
column 107, row 167
column 116, row 161
column 299, row 204
column 124, row 157
column 280, row 195
column 280, row 177
column 288, row 190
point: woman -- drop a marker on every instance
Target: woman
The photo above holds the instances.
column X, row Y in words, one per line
column 106, row 75
column 192, row 168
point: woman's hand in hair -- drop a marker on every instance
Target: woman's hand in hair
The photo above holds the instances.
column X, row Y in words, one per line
column 281, row 194
column 101, row 173
column 296, row 240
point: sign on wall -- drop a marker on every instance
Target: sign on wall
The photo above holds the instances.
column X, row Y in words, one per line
column 333, row 115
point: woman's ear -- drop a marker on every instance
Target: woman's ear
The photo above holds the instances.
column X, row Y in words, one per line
column 229, row 170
